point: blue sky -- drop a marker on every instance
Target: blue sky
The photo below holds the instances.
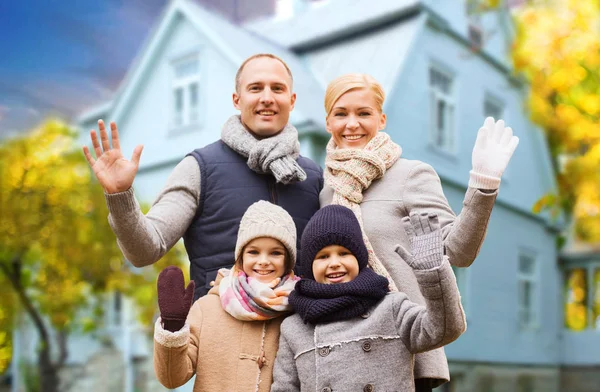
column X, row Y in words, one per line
column 63, row 56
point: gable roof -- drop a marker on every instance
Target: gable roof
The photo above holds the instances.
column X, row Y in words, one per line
column 241, row 44
column 236, row 44
column 332, row 21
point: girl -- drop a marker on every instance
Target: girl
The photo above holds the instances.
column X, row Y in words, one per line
column 366, row 173
column 230, row 336
column 349, row 333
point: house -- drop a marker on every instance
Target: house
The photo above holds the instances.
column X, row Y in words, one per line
column 444, row 70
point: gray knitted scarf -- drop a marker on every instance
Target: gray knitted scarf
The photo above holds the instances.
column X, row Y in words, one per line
column 274, row 155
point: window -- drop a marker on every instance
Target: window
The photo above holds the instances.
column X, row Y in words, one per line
column 442, row 109
column 474, row 26
column 582, row 298
column 186, row 92
column 525, row 383
column 475, row 32
column 527, row 291
column 493, row 107
column 596, row 300
column 115, row 309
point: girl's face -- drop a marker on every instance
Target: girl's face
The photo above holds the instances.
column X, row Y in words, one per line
column 334, row 264
column 355, row 119
column 264, row 259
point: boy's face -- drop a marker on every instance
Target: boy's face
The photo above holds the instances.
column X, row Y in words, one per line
column 334, row 264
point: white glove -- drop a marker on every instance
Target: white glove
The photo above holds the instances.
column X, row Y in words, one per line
column 494, row 146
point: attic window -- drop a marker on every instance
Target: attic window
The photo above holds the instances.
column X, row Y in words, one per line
column 474, row 27
column 186, row 92
column 475, row 36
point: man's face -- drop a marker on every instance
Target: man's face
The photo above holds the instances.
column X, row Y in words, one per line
column 265, row 97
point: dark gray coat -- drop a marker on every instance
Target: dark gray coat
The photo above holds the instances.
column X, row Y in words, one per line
column 374, row 352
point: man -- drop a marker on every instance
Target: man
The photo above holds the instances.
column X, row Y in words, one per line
column 257, row 158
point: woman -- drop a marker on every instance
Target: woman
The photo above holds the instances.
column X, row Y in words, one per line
column 365, row 172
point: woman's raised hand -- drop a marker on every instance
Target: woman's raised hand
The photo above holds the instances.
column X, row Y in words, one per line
column 113, row 171
column 493, row 149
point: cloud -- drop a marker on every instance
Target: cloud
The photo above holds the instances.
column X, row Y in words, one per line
column 93, row 45
column 33, row 112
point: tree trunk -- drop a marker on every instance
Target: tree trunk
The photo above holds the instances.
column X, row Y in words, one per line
column 49, row 378
column 48, row 371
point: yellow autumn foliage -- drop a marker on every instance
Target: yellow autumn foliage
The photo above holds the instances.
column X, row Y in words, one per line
column 557, row 49
column 57, row 251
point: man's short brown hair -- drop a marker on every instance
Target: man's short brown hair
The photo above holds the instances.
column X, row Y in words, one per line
column 256, row 56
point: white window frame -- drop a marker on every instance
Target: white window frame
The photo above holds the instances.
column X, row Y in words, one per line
column 589, row 267
column 437, row 95
column 533, row 279
column 190, row 117
column 493, row 100
column 475, row 29
column 501, row 104
column 114, row 316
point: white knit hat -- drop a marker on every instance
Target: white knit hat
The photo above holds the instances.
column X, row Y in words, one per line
column 263, row 219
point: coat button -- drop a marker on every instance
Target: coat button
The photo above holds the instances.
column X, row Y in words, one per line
column 326, row 389
column 366, row 346
column 369, row 388
column 324, row 351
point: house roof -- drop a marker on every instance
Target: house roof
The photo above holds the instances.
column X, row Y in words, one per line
column 243, row 43
column 331, row 21
column 236, row 44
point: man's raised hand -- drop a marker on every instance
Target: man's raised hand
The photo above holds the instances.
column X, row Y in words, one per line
column 113, row 171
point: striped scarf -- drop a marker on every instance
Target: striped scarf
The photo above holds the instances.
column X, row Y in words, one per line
column 247, row 299
column 351, row 171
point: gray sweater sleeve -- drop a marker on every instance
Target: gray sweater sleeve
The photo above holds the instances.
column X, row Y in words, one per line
column 463, row 234
column 440, row 321
column 144, row 239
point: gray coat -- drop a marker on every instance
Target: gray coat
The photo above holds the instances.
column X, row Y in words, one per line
column 410, row 186
column 374, row 352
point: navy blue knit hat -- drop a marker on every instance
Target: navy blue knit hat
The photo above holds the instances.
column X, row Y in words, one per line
column 332, row 225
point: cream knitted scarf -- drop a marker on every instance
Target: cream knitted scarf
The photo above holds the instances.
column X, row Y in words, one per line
column 351, row 171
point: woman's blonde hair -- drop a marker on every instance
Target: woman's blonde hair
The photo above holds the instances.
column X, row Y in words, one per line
column 354, row 81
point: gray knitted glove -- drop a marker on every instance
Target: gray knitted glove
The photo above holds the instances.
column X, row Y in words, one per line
column 425, row 237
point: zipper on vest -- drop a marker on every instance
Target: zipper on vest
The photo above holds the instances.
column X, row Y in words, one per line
column 272, row 189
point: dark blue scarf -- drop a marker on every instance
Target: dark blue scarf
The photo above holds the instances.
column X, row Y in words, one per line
column 320, row 303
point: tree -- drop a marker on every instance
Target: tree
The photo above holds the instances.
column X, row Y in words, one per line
column 57, row 251
column 557, row 49
column 7, row 311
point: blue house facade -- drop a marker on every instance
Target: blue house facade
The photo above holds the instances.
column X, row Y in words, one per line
column 444, row 70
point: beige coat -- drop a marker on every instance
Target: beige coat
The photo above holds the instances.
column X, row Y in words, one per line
column 411, row 186
column 224, row 353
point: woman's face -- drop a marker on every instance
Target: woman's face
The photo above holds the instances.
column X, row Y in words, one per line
column 264, row 259
column 354, row 119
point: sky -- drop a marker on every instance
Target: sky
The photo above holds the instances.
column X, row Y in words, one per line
column 60, row 57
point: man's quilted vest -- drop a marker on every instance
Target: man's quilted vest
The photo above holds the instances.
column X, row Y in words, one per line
column 227, row 188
